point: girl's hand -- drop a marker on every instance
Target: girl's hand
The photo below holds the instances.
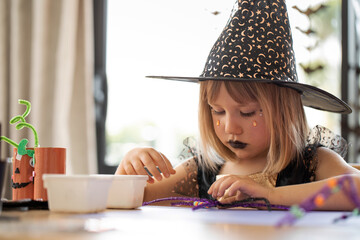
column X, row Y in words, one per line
column 232, row 188
column 137, row 159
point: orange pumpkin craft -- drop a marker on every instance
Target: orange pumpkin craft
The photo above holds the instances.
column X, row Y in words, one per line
column 24, row 176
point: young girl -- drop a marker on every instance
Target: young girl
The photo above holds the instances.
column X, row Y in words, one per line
column 254, row 137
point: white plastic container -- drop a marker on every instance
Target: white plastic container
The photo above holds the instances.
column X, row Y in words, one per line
column 127, row 191
column 77, row 193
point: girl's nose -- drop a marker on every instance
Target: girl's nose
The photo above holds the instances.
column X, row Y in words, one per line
column 232, row 125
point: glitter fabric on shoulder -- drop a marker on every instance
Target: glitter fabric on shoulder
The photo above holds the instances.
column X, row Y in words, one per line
column 325, row 137
column 189, row 150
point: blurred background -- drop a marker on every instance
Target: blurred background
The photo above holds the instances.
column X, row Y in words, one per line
column 83, row 64
column 174, row 40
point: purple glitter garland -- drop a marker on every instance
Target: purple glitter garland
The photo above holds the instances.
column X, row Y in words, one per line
column 199, row 203
column 295, row 212
column 333, row 186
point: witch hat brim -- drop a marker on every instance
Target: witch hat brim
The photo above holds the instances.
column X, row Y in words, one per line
column 256, row 46
column 311, row 96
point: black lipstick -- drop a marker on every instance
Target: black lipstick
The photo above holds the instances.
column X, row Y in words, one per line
column 237, row 144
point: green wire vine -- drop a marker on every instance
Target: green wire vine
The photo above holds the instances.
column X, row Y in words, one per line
column 20, row 124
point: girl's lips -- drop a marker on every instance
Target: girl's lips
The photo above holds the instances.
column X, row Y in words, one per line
column 237, row 144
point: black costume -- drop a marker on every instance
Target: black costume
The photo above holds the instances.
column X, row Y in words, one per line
column 298, row 171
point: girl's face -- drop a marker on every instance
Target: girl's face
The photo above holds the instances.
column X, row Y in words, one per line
column 240, row 126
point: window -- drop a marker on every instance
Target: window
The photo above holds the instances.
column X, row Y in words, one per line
column 162, row 37
column 315, row 26
column 156, row 37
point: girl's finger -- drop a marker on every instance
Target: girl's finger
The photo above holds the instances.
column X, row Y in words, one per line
column 120, row 170
column 213, row 190
column 163, row 163
column 169, row 166
column 160, row 163
column 227, row 199
column 234, row 188
column 224, row 185
column 148, row 162
column 150, row 179
column 129, row 170
column 139, row 168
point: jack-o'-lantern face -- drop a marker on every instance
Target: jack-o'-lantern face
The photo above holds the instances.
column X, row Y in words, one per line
column 23, row 171
column 22, row 180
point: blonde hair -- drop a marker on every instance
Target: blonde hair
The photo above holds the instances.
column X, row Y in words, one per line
column 284, row 117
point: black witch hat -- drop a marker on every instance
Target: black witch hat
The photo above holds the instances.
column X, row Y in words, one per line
column 256, row 45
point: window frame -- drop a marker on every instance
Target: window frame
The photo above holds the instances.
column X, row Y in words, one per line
column 100, row 83
column 350, row 75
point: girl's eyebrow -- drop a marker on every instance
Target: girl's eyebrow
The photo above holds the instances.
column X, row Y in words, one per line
column 250, row 104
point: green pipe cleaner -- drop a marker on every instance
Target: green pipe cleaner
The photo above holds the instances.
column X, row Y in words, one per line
column 28, row 125
column 21, row 123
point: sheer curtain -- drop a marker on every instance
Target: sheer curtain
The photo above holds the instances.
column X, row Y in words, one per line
column 46, row 57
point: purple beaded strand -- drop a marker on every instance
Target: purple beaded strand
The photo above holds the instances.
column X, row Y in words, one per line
column 207, row 203
column 332, row 187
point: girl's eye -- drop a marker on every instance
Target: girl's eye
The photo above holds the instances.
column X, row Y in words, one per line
column 247, row 114
column 216, row 112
